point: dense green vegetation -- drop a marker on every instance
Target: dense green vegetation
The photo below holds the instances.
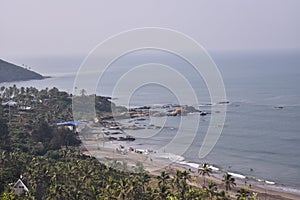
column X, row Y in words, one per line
column 53, row 167
column 10, row 72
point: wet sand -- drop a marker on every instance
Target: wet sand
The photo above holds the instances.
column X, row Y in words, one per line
column 155, row 165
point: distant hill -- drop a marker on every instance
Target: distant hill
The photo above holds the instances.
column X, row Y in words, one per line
column 10, row 72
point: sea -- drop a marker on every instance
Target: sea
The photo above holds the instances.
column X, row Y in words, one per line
column 261, row 134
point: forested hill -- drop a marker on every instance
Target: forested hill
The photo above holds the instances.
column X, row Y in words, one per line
column 10, row 72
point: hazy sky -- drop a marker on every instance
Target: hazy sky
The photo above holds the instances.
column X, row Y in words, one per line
column 57, row 27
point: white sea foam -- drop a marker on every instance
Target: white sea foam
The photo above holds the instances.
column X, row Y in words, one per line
column 287, row 189
column 214, row 168
column 170, row 156
column 196, row 165
column 270, row 182
column 193, row 165
column 266, row 181
column 237, row 175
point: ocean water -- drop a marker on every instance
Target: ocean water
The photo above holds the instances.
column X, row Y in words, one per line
column 258, row 140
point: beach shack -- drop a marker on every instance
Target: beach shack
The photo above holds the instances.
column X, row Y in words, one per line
column 20, row 188
column 9, row 103
column 72, row 125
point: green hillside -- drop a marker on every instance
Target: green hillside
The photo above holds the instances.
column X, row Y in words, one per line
column 10, row 72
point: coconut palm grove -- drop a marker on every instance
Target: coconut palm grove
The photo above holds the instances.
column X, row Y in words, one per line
column 49, row 162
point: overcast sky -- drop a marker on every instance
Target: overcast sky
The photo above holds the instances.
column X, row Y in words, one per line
column 57, row 27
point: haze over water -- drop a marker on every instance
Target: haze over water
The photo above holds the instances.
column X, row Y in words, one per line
column 257, row 135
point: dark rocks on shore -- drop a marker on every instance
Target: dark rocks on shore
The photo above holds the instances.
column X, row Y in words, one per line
column 278, row 107
column 203, row 113
column 223, row 102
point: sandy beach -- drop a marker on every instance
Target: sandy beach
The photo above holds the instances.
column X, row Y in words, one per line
column 155, row 165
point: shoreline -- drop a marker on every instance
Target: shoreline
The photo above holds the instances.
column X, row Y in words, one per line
column 21, row 80
column 154, row 164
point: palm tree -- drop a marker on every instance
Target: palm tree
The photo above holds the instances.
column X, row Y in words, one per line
column 83, row 92
column 163, row 179
column 177, row 179
column 2, row 88
column 204, row 170
column 124, row 187
column 163, row 191
column 186, row 176
column 22, row 90
column 4, row 136
column 223, row 196
column 144, row 179
column 242, row 194
column 180, row 183
column 228, row 181
column 211, row 189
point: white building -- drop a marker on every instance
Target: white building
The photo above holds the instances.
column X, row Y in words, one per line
column 20, row 188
